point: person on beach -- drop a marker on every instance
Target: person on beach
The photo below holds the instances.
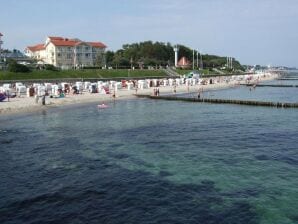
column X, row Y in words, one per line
column 43, row 99
column 154, row 92
column 75, row 90
column 114, row 95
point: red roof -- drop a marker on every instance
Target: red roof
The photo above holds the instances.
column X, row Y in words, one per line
column 56, row 38
column 60, row 41
column 97, row 44
column 37, row 47
column 184, row 62
column 64, row 42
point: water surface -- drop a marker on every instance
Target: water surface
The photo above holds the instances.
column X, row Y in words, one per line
column 147, row 161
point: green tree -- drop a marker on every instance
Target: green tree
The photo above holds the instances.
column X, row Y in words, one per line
column 13, row 66
column 116, row 60
column 185, row 52
column 109, row 58
column 150, row 53
column 100, row 59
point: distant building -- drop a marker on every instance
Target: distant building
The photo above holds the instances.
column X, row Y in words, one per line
column 184, row 63
column 66, row 53
column 15, row 55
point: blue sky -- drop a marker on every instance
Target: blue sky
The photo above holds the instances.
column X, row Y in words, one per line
column 253, row 31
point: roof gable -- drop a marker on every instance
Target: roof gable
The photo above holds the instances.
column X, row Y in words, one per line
column 37, row 47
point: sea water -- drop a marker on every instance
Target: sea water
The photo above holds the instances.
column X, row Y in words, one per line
column 148, row 161
column 274, row 94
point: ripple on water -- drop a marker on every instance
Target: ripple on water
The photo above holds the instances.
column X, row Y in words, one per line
column 121, row 196
column 150, row 162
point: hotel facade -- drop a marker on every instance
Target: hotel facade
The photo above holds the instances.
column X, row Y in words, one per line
column 66, row 53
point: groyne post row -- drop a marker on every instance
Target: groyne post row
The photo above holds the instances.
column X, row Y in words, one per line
column 269, row 85
column 224, row 101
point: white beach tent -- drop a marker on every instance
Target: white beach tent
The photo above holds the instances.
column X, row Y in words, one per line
column 87, row 85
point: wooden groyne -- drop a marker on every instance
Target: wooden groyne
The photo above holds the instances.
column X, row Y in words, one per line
column 287, row 79
column 224, row 101
column 269, row 85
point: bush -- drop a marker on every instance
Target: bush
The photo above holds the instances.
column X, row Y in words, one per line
column 50, row 67
column 91, row 67
column 13, row 66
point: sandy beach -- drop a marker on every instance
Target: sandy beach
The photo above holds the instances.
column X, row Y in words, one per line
column 28, row 104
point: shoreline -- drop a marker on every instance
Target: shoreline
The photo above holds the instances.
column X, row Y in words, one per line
column 19, row 105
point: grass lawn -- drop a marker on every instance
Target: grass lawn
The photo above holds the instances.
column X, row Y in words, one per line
column 92, row 73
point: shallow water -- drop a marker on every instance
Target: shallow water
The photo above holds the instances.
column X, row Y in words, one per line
column 274, row 94
column 146, row 161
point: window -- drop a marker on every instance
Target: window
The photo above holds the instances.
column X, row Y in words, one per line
column 86, row 48
column 59, row 55
column 68, row 56
column 87, row 55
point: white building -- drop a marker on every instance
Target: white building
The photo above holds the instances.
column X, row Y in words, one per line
column 66, row 53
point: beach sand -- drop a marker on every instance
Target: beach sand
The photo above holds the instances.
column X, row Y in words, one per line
column 28, row 104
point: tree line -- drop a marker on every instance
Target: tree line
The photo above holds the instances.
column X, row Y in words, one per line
column 156, row 54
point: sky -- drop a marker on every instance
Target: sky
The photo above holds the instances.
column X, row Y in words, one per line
column 252, row 31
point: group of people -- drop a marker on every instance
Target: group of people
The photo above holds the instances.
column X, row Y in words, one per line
column 156, row 92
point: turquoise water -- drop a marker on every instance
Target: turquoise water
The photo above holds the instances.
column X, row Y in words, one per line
column 147, row 161
column 275, row 94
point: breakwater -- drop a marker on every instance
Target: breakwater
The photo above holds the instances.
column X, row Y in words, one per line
column 269, row 85
column 287, row 79
column 224, row 101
